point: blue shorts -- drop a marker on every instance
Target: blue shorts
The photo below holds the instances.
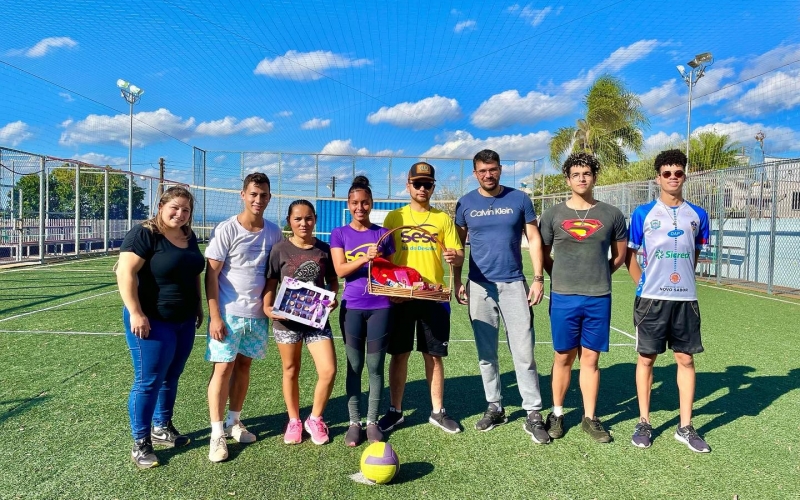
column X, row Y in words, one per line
column 579, row 320
column 245, row 336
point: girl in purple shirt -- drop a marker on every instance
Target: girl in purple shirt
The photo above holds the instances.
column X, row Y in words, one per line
column 363, row 318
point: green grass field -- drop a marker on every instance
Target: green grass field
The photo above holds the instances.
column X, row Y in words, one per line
column 66, row 374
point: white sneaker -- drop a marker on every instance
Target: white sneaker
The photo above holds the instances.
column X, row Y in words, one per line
column 218, row 450
column 240, row 433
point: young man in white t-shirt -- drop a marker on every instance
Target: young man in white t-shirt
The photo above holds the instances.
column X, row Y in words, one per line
column 237, row 256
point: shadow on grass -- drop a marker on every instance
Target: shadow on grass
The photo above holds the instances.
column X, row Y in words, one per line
column 412, row 471
column 741, row 394
column 18, row 406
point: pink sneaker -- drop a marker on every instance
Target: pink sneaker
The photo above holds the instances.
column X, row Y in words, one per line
column 318, row 430
column 294, row 432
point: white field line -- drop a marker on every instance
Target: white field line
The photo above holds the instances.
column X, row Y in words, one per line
column 775, row 299
column 43, row 266
column 117, row 334
column 56, row 306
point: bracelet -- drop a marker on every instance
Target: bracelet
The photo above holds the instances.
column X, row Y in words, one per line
column 538, row 279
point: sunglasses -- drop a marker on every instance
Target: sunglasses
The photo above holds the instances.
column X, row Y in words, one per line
column 667, row 174
column 422, row 184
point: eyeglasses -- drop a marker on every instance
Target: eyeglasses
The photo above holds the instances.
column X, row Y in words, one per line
column 422, row 184
column 677, row 173
column 484, row 173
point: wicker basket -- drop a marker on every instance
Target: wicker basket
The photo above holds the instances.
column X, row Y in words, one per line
column 410, row 293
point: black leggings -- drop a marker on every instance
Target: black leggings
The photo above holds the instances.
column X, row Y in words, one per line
column 365, row 336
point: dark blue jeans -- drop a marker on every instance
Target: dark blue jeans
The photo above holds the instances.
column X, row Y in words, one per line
column 158, row 362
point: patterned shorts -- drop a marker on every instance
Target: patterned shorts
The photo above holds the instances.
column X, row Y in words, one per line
column 309, row 337
column 245, row 336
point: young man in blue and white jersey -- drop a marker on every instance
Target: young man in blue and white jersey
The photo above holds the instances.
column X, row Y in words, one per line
column 669, row 233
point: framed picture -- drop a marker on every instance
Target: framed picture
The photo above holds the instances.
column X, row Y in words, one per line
column 303, row 302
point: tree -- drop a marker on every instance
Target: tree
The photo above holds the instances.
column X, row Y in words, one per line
column 712, row 151
column 61, row 182
column 612, row 124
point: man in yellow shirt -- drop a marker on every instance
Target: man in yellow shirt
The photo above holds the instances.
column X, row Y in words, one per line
column 427, row 320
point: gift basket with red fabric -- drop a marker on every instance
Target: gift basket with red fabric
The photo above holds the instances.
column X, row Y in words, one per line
column 391, row 280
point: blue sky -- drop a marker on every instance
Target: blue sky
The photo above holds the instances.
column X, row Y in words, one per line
column 411, row 78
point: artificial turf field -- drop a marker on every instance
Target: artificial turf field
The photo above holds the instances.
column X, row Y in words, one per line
column 66, row 373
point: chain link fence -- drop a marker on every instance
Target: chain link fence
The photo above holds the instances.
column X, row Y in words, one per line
column 52, row 207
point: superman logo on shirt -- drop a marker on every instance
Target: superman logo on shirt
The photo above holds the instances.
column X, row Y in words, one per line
column 581, row 229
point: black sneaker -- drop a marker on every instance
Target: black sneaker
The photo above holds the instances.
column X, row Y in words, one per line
column 392, row 419
column 594, row 428
column 688, row 436
column 554, row 426
column 443, row 421
column 491, row 418
column 374, row 434
column 353, row 435
column 642, row 435
column 168, row 436
column 143, row 455
column 535, row 427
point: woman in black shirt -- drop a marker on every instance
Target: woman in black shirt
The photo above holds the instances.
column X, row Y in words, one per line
column 159, row 279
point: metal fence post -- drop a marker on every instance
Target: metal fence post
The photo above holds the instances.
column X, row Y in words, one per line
column 390, row 178
column 42, row 177
column 105, row 210
column 280, row 187
column 772, row 227
column 78, row 208
column 720, row 221
column 316, row 183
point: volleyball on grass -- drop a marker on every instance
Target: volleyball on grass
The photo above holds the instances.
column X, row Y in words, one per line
column 379, row 463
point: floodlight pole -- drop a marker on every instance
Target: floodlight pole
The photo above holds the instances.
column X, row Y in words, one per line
column 697, row 70
column 131, row 94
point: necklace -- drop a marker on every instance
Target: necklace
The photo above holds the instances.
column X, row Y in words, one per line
column 493, row 197
column 301, row 245
column 673, row 212
column 411, row 213
column 583, row 219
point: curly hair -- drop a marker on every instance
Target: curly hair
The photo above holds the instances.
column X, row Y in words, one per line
column 580, row 160
column 670, row 157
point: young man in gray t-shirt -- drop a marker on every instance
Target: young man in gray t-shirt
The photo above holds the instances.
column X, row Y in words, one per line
column 580, row 232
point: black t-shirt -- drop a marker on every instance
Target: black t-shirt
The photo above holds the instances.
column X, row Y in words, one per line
column 312, row 265
column 167, row 280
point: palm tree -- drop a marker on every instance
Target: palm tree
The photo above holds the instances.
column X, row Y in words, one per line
column 712, row 151
column 612, row 125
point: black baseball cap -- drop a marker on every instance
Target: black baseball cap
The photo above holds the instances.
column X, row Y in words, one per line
column 421, row 170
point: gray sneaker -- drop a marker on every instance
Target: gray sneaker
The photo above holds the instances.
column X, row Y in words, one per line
column 443, row 421
column 534, row 425
column 688, row 436
column 642, row 435
column 374, row 434
column 353, row 435
column 555, row 426
column 491, row 418
column 594, row 428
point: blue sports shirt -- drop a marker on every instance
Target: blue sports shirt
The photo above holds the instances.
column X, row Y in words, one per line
column 667, row 238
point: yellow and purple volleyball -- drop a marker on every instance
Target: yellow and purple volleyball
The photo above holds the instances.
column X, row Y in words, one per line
column 379, row 463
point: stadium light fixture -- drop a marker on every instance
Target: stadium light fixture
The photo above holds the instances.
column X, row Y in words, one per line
column 698, row 69
column 131, row 94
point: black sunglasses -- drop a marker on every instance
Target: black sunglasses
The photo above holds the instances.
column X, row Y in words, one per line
column 667, row 174
column 422, row 184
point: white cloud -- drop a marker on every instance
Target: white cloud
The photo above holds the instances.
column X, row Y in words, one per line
column 428, row 113
column 101, row 160
column 664, row 98
column 533, row 16
column 44, row 46
column 779, row 56
column 66, row 96
column 388, row 152
column 778, row 139
column 461, row 144
column 316, row 123
column 509, row 108
column 12, row 134
column 148, row 127
column 230, row 126
column 467, row 25
column 662, row 140
column 342, row 147
column 618, row 59
column 776, row 92
column 296, row 65
column 284, row 114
